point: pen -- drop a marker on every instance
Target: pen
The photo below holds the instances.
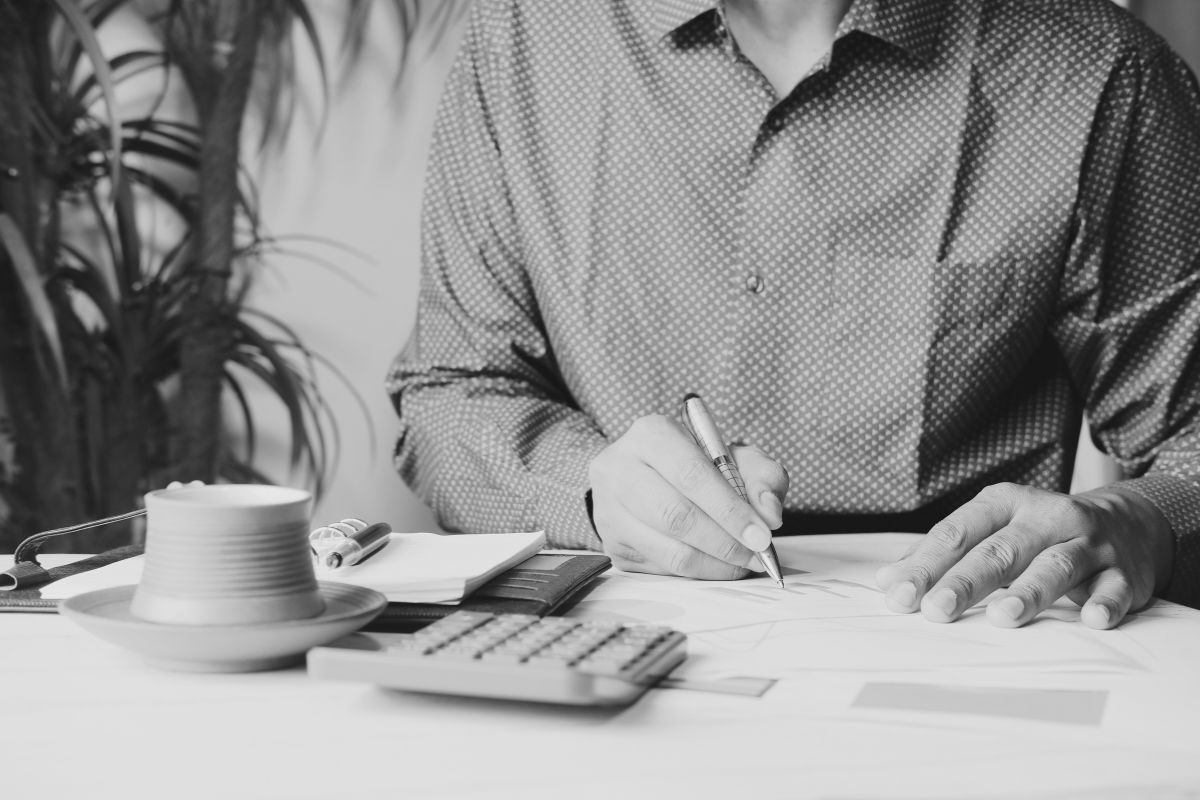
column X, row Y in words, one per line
column 358, row 546
column 704, row 430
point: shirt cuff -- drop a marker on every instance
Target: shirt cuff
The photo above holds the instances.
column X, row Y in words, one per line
column 1179, row 501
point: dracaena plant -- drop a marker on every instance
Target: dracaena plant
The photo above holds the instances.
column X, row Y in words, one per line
column 128, row 350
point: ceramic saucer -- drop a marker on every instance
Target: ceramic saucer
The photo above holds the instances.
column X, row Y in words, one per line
column 222, row 648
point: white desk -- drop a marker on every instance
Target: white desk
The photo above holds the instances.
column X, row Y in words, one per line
column 81, row 718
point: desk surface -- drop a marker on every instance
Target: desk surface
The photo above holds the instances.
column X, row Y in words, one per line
column 865, row 704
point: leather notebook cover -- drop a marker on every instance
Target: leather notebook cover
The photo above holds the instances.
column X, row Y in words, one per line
column 540, row 585
column 31, row 599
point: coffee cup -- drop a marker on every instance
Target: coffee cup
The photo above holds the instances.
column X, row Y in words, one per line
column 227, row 554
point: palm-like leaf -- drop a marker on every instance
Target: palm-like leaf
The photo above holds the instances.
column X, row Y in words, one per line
column 111, row 301
column 21, row 257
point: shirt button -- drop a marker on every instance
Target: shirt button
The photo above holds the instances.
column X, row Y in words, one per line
column 755, row 283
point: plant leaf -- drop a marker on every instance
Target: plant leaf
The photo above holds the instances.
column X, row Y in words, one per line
column 247, row 416
column 35, row 292
column 89, row 279
column 152, row 60
column 97, row 12
column 86, row 35
column 282, row 381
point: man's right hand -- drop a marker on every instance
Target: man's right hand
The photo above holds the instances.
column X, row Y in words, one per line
column 660, row 505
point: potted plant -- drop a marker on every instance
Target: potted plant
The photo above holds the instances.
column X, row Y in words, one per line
column 125, row 352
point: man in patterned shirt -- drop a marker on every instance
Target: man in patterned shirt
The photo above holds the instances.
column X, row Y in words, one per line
column 898, row 245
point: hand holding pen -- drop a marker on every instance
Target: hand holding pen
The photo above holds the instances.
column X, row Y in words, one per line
column 699, row 422
column 661, row 505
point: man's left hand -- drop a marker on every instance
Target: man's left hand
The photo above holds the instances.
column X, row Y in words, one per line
column 1109, row 550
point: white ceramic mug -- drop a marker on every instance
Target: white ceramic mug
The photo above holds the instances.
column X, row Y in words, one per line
column 227, row 554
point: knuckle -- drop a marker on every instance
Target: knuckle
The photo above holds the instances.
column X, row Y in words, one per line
column 1058, row 566
column 949, row 533
column 682, row 561
column 692, row 474
column 921, row 576
column 964, row 584
column 998, row 554
column 729, row 572
column 994, row 490
column 1035, row 595
column 648, row 423
column 756, row 465
column 731, row 552
column 1119, row 585
column 644, row 431
column 741, row 449
column 777, row 476
column 679, row 518
column 1068, row 515
column 1002, row 495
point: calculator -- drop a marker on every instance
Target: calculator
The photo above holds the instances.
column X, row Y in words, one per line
column 510, row 656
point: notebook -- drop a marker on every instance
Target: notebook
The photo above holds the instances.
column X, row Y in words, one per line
column 544, row 583
column 437, row 568
column 412, row 568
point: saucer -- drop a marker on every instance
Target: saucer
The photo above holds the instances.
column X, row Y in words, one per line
column 222, row 648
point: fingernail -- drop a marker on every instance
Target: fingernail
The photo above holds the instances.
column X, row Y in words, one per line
column 888, row 574
column 1096, row 615
column 756, row 537
column 772, row 508
column 942, row 600
column 903, row 597
column 1011, row 607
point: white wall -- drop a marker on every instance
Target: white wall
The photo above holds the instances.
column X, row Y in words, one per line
column 359, row 186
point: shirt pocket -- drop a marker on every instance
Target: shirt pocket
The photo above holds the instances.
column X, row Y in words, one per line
column 979, row 295
column 912, row 343
column 987, row 321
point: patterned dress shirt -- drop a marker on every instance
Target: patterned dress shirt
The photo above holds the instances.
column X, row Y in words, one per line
column 906, row 280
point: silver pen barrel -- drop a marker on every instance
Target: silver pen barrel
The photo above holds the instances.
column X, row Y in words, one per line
column 704, row 430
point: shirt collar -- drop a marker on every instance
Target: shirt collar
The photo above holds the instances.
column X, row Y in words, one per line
column 667, row 15
column 912, row 25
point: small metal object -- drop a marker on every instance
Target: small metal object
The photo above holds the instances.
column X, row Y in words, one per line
column 349, row 542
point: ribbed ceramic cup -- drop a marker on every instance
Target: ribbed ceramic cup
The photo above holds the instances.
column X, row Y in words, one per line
column 227, row 554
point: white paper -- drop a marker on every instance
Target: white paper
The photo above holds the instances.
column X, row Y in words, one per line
column 437, row 568
column 414, row 567
column 832, row 617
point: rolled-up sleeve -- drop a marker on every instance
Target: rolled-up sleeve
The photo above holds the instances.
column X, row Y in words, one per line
column 490, row 437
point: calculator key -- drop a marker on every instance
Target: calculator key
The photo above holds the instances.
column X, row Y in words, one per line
column 514, row 656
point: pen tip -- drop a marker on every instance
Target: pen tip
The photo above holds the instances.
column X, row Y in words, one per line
column 780, row 582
